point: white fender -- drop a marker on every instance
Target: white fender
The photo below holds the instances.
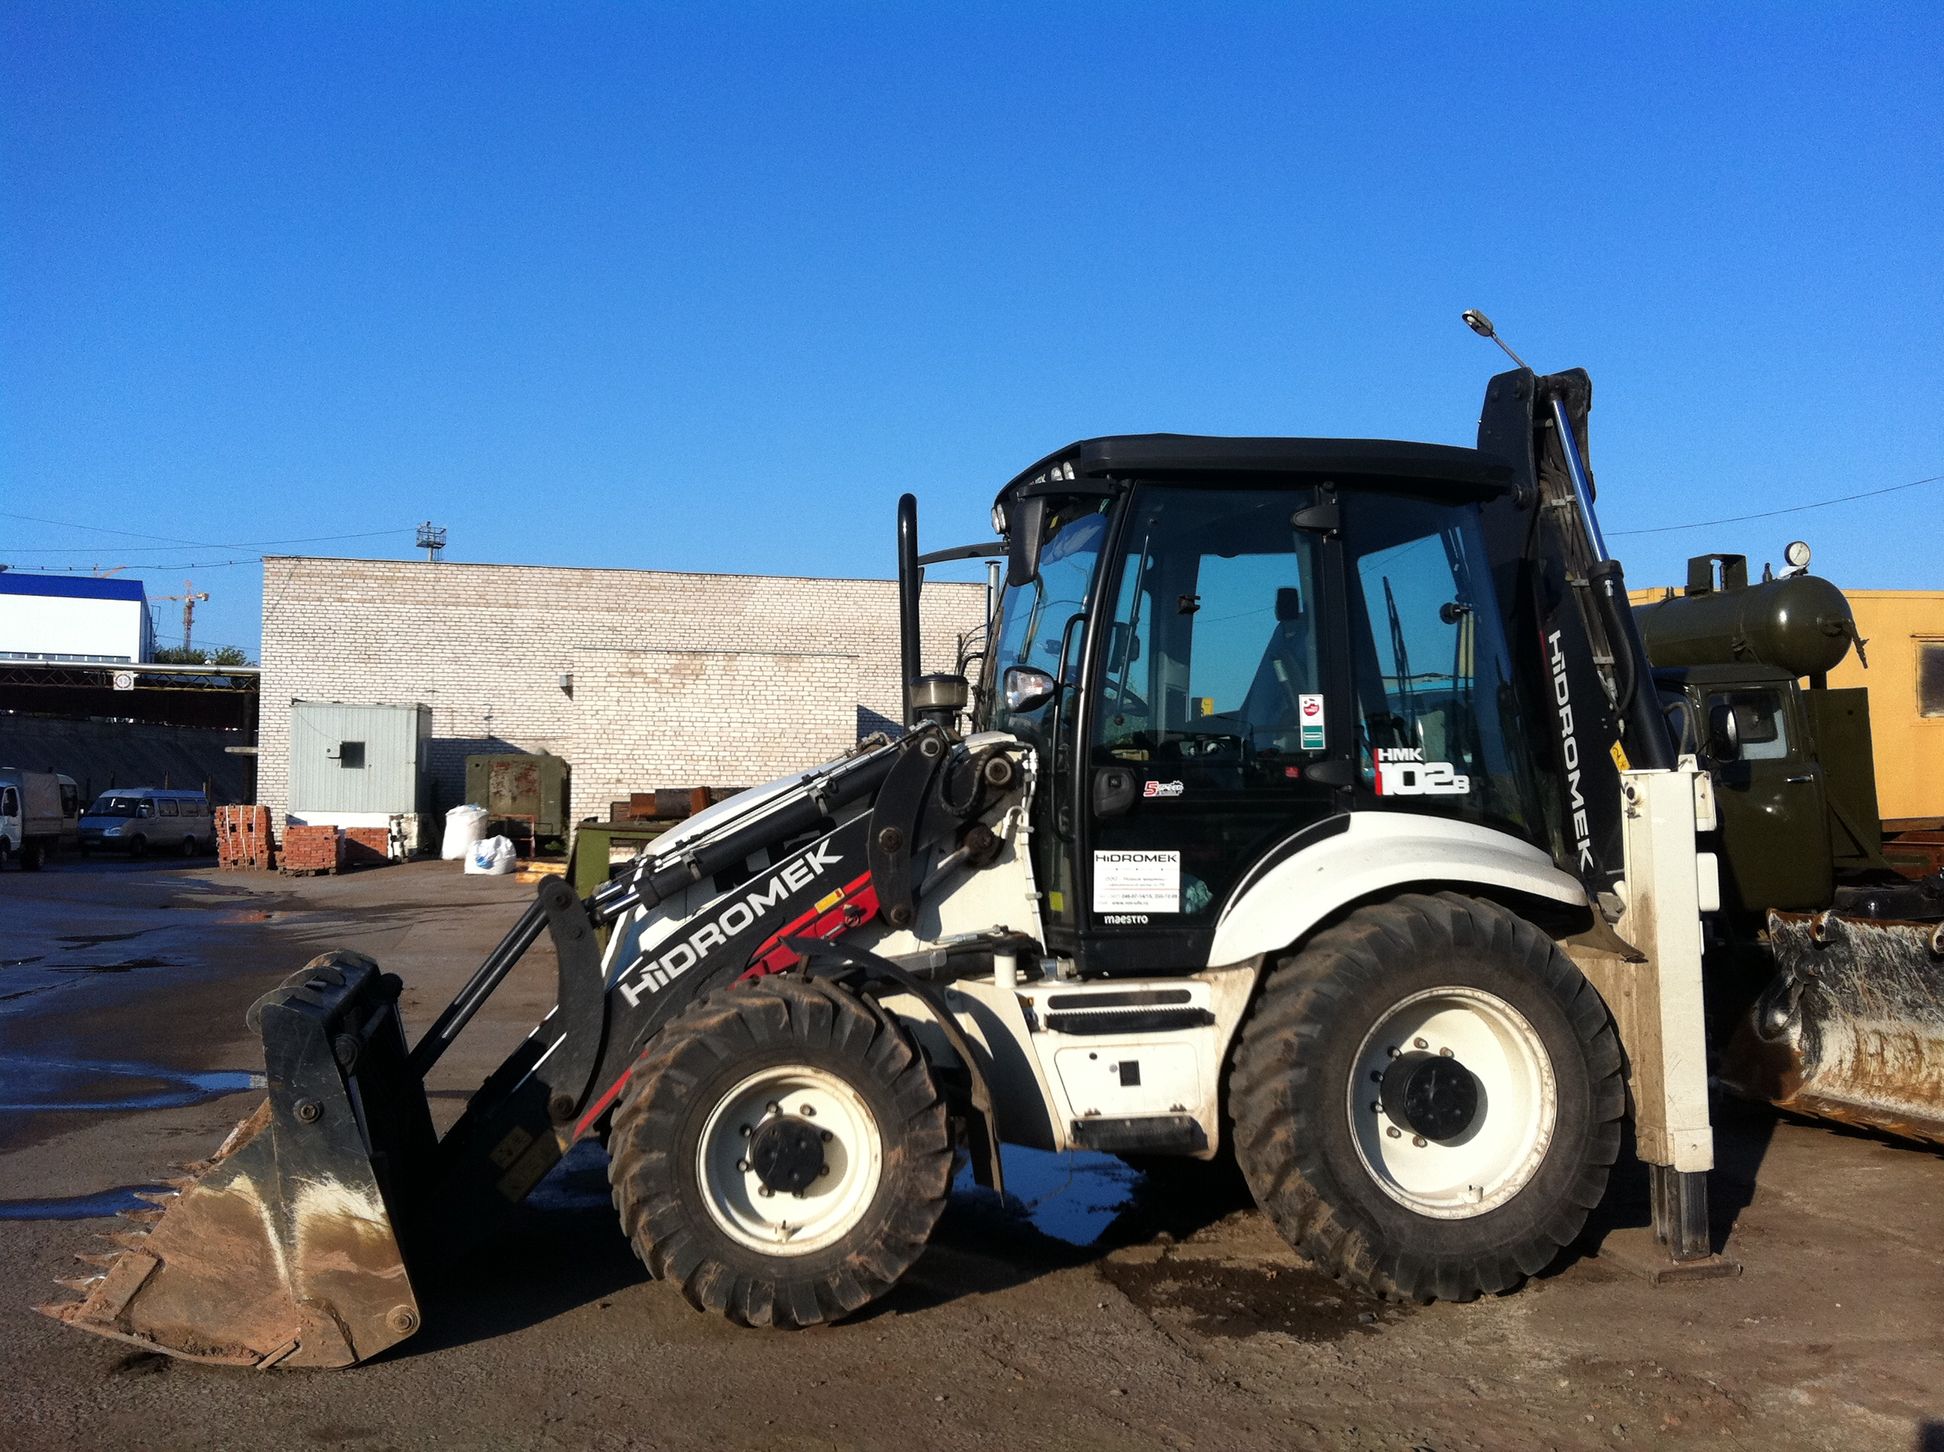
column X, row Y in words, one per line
column 1376, row 851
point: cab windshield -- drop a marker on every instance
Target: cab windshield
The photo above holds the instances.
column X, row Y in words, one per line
column 113, row 806
column 1040, row 622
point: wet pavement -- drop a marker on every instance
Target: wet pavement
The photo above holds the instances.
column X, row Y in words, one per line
column 1094, row 1306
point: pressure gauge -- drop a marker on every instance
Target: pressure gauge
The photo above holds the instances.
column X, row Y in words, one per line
column 1797, row 554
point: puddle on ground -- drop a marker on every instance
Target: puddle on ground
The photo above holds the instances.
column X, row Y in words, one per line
column 1222, row 1298
column 80, row 1207
column 66, row 1085
column 1071, row 1197
column 26, row 979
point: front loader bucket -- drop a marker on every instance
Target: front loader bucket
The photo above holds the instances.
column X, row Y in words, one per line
column 283, row 1250
column 1852, row 1027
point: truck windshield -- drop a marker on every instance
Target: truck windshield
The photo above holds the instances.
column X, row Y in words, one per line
column 1039, row 622
column 116, row 807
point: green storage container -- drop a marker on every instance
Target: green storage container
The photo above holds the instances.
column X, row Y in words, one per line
column 515, row 785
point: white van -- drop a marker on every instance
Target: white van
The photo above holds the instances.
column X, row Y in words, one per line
column 37, row 815
column 140, row 820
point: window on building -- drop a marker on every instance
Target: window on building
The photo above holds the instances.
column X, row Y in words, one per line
column 351, row 755
column 1930, row 678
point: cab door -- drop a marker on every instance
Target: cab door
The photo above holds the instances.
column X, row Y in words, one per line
column 1215, row 722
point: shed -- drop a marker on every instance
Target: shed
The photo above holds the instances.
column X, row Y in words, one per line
column 352, row 761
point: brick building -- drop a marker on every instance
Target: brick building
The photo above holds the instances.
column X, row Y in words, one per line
column 639, row 678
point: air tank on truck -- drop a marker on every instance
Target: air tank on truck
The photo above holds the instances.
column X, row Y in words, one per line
column 1828, row 974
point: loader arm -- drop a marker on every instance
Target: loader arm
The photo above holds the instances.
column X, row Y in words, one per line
column 296, row 1244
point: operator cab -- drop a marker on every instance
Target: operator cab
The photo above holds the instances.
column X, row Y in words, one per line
column 1221, row 647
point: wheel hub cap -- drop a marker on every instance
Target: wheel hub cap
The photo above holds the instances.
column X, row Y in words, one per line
column 786, row 1153
column 1432, row 1095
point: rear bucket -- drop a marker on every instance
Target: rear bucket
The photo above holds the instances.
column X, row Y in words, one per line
column 1852, row 1027
column 284, row 1249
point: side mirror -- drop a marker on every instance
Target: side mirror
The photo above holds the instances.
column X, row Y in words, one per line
column 1027, row 689
column 1724, row 733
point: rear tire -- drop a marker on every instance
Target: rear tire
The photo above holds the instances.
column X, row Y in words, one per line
column 190, row 846
column 838, row 1100
column 32, row 855
column 1467, row 1183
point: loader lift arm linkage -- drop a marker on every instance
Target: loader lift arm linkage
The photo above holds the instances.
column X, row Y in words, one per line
column 342, row 1165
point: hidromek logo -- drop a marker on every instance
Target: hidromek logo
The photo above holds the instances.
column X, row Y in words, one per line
column 792, row 878
column 1569, row 746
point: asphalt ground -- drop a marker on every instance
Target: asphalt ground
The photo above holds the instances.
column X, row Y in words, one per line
column 1094, row 1308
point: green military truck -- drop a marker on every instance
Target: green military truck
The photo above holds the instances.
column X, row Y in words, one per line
column 1827, row 967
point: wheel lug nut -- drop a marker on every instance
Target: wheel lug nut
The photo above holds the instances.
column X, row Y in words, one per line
column 1376, row 1106
column 1393, row 1131
column 742, row 1167
column 1418, row 1140
column 808, row 1111
column 747, row 1131
column 822, row 1170
column 765, row 1191
column 825, row 1135
column 1393, row 1052
column 1444, row 1053
column 1376, row 1076
column 772, row 1108
column 1419, row 1044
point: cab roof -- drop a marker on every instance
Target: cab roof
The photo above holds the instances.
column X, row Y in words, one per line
column 1429, row 468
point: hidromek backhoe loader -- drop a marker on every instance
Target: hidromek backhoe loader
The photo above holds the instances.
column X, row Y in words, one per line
column 1312, row 799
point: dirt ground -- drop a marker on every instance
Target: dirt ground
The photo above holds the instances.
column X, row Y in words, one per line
column 1094, row 1308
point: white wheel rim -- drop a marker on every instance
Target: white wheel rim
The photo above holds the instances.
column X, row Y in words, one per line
column 1502, row 1147
column 779, row 1222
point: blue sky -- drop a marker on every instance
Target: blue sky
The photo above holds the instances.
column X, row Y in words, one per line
column 706, row 287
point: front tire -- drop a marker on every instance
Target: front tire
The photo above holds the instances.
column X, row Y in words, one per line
column 1427, row 1099
column 781, row 1154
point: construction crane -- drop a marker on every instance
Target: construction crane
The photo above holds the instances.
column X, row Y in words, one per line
column 189, row 596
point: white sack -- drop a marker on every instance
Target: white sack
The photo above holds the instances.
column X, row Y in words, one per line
column 464, row 826
column 493, row 857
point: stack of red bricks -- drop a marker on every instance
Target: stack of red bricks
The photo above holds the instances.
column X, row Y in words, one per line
column 243, row 839
column 310, row 849
column 367, row 846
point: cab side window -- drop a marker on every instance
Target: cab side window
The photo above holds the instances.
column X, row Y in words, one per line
column 1442, row 729
column 9, row 803
column 1761, row 721
column 168, row 807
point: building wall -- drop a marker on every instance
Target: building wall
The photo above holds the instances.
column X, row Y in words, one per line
column 676, row 679
column 1898, row 626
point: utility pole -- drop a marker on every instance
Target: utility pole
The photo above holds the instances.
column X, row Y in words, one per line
column 188, row 597
column 431, row 539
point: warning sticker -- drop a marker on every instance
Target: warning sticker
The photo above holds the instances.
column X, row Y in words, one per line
column 1310, row 708
column 1137, row 882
